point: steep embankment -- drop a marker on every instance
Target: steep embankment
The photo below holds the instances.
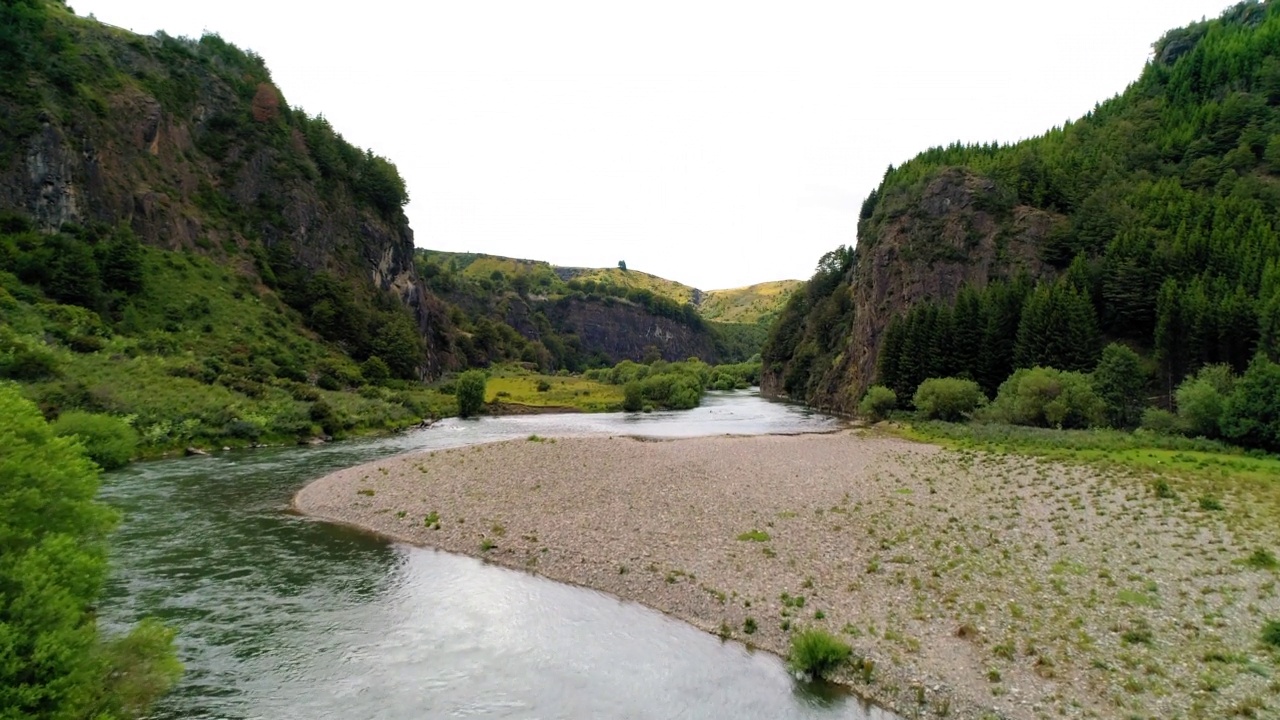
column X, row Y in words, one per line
column 1151, row 221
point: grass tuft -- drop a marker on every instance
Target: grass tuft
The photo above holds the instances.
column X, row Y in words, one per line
column 817, row 652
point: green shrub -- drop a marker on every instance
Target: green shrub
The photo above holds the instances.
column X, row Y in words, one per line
column 633, row 396
column 470, row 392
column 1251, row 415
column 1046, row 397
column 1202, row 399
column 949, row 399
column 1271, row 633
column 878, row 402
column 1121, row 382
column 817, row 652
column 24, row 359
column 108, row 441
column 1161, row 422
column 375, row 371
column 54, row 566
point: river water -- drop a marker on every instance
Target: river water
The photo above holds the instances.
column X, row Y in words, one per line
column 285, row 617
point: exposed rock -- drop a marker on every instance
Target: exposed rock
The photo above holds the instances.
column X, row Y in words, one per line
column 930, row 245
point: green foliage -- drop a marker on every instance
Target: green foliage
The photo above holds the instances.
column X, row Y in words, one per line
column 25, row 359
column 817, row 652
column 374, row 370
column 1121, row 382
column 1047, row 397
column 470, row 392
column 1161, row 422
column 1271, row 633
column 878, row 402
column 108, row 441
column 1058, row 329
column 948, row 399
column 1202, row 398
column 142, row 666
column 1251, row 415
column 53, row 537
column 633, row 396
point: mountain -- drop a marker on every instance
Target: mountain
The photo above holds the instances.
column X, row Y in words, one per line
column 574, row 318
column 1151, row 220
column 189, row 146
column 180, row 245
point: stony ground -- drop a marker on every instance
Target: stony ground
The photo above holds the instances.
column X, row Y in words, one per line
column 968, row 584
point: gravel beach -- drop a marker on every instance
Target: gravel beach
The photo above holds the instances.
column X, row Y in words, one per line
column 967, row 583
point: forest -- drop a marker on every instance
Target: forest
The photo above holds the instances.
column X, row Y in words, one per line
column 1164, row 203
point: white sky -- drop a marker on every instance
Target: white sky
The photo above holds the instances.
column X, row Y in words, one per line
column 713, row 143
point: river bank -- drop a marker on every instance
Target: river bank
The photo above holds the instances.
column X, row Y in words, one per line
column 964, row 580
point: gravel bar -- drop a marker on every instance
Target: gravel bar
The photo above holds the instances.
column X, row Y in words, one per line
column 969, row 584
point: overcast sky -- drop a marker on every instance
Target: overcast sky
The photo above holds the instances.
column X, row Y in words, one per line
column 714, row 143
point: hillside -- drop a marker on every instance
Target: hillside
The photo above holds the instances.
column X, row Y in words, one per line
column 1150, row 221
column 179, row 245
column 574, row 318
column 752, row 304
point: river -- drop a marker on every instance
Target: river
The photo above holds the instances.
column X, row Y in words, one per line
column 281, row 616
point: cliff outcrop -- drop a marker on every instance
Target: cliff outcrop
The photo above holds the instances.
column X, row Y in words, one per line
column 191, row 145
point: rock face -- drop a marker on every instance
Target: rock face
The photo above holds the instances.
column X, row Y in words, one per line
column 191, row 146
column 622, row 330
column 919, row 246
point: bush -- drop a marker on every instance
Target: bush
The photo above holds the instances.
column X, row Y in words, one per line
column 817, row 652
column 949, row 399
column 108, row 441
column 878, row 402
column 470, row 392
column 1121, row 382
column 1202, row 398
column 1251, row 415
column 25, row 360
column 1161, row 422
column 53, row 570
column 633, row 396
column 375, row 371
column 1045, row 397
column 1271, row 633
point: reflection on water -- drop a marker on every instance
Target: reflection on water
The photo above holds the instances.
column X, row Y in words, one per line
column 284, row 617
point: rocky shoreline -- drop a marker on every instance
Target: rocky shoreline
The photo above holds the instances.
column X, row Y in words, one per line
column 969, row 585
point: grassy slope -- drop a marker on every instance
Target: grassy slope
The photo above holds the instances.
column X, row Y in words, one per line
column 750, row 304
column 636, row 279
column 200, row 358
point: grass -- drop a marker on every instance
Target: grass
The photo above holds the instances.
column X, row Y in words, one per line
column 755, row 536
column 817, row 652
column 1168, row 455
column 1261, row 559
column 516, row 386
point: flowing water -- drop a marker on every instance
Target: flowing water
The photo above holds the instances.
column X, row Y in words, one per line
column 284, row 617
